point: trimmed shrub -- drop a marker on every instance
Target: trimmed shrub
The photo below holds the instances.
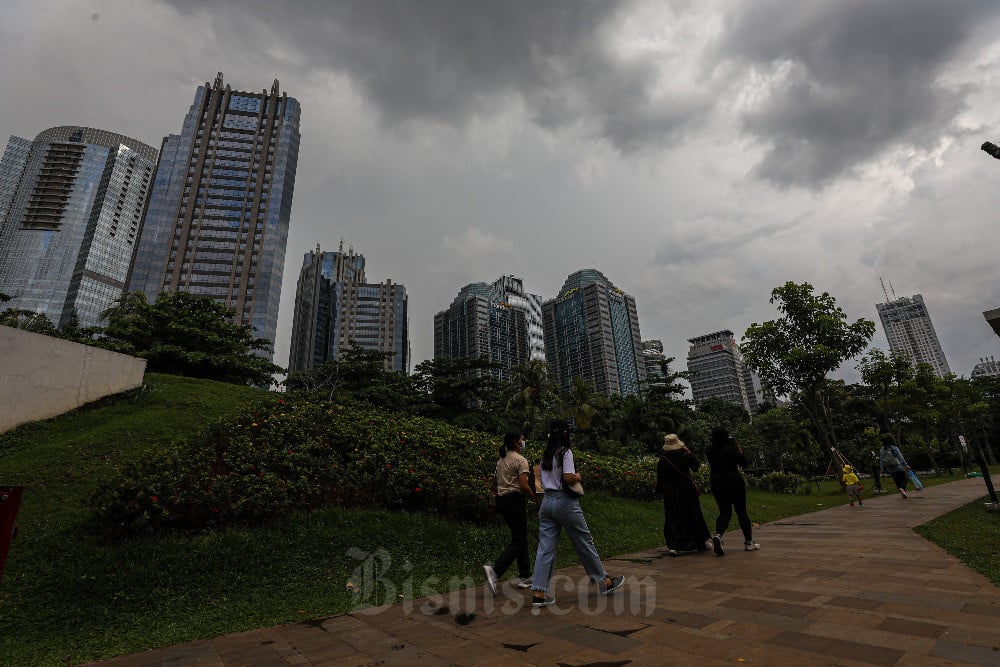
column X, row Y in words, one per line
column 288, row 454
column 780, row 482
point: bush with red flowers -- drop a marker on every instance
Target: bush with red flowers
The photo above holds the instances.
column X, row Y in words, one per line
column 292, row 453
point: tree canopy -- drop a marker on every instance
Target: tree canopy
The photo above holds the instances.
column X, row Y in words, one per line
column 186, row 334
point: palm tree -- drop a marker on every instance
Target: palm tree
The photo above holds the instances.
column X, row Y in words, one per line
column 532, row 391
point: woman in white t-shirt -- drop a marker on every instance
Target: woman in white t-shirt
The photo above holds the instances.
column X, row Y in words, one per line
column 513, row 491
column 561, row 510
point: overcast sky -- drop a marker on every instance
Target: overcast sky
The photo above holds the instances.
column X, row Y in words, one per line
column 698, row 153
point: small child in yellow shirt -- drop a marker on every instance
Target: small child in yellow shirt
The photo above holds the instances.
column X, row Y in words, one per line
column 854, row 487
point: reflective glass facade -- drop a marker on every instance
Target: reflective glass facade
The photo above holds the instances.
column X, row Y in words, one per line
column 592, row 332
column 482, row 323
column 73, row 204
column 218, row 216
column 334, row 307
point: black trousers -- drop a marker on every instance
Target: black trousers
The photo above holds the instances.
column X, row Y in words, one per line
column 731, row 497
column 513, row 507
column 900, row 477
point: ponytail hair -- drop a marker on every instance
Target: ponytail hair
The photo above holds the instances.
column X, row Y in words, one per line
column 558, row 437
column 510, row 440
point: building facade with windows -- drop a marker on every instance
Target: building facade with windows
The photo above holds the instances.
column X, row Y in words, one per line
column 986, row 368
column 71, row 205
column 716, row 369
column 220, row 207
column 908, row 328
column 592, row 332
column 511, row 291
column 481, row 322
column 334, row 307
column 655, row 361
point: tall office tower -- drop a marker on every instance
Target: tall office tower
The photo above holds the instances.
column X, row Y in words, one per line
column 71, row 205
column 654, row 359
column 219, row 211
column 511, row 290
column 716, row 369
column 592, row 332
column 986, row 368
column 334, row 306
column 908, row 328
column 481, row 323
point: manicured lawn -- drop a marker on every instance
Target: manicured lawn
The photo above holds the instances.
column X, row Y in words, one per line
column 970, row 534
column 67, row 598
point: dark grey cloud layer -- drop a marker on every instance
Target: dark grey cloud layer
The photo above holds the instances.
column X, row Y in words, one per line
column 447, row 61
column 859, row 77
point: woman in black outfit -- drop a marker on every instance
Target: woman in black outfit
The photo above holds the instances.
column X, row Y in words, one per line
column 726, row 458
column 684, row 527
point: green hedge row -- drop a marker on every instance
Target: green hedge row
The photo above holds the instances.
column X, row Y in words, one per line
column 291, row 453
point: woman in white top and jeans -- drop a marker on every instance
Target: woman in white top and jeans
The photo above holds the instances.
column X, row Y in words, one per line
column 561, row 510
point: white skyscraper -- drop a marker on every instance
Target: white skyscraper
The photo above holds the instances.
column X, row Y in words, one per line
column 909, row 329
column 716, row 370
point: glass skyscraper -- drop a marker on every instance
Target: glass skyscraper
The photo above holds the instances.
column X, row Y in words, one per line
column 334, row 306
column 221, row 203
column 484, row 322
column 71, row 205
column 592, row 332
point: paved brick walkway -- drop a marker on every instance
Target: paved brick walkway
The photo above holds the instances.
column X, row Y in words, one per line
column 838, row 587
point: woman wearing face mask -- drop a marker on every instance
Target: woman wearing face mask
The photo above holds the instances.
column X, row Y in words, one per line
column 513, row 491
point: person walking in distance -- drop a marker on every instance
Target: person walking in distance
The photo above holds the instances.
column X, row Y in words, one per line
column 560, row 511
column 725, row 457
column 513, row 491
column 892, row 461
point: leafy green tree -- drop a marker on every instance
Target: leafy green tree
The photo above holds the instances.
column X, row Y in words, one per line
column 884, row 375
column 461, row 391
column 777, row 440
column 26, row 320
column 360, row 374
column 185, row 334
column 794, row 354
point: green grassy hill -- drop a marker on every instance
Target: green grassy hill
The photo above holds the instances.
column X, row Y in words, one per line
column 67, row 598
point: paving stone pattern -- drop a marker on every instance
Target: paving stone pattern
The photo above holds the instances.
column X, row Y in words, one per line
column 843, row 586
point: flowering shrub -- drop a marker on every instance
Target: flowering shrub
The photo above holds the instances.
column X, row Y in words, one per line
column 290, row 453
column 625, row 476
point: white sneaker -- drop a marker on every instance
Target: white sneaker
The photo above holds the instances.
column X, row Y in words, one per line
column 491, row 578
column 717, row 545
column 750, row 546
column 525, row 583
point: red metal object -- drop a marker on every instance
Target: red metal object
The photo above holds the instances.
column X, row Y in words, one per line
column 10, row 503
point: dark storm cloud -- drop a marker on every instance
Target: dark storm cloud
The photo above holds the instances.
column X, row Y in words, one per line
column 858, row 77
column 447, row 61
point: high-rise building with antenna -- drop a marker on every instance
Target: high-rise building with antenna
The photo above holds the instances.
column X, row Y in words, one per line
column 221, row 203
column 909, row 329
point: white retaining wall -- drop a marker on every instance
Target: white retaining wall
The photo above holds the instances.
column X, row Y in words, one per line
column 42, row 376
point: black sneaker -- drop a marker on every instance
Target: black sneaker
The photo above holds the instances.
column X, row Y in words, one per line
column 717, row 545
column 616, row 583
column 542, row 601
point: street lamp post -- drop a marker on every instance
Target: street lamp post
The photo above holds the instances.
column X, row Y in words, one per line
column 992, row 150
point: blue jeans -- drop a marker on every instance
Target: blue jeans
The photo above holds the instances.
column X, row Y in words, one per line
column 558, row 512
